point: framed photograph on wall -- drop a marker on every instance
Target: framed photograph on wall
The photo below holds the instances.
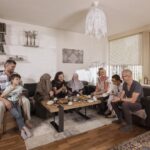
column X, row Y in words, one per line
column 72, row 56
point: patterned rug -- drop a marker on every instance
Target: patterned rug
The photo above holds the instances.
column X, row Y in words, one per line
column 44, row 133
column 141, row 142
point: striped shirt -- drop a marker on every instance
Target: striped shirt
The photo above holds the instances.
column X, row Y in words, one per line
column 4, row 81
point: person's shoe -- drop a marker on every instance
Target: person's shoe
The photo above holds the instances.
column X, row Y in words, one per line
column 107, row 112
column 117, row 121
column 126, row 128
column 28, row 124
column 28, row 133
column 112, row 115
column 23, row 135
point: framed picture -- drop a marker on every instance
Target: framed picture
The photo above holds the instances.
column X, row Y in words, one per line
column 72, row 56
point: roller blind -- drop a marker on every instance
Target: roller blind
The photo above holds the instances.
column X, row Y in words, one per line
column 126, row 51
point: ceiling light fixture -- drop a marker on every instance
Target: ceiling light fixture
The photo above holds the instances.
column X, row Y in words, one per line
column 96, row 23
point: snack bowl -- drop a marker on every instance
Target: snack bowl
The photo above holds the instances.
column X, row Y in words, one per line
column 70, row 103
column 89, row 101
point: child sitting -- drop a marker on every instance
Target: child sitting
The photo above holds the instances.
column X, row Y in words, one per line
column 13, row 94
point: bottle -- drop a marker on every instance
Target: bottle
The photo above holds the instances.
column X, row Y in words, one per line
column 145, row 80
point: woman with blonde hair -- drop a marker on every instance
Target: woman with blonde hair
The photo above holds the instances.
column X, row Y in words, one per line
column 102, row 85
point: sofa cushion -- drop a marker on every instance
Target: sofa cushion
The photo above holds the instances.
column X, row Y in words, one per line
column 31, row 87
column 140, row 113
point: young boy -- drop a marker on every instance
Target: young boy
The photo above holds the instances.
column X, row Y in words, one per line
column 13, row 94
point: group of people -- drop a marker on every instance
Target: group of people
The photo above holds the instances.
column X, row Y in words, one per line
column 47, row 89
column 13, row 100
column 123, row 97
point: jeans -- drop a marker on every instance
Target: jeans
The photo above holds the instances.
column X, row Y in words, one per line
column 25, row 106
column 17, row 114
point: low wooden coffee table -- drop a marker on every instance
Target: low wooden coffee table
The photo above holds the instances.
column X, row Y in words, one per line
column 61, row 107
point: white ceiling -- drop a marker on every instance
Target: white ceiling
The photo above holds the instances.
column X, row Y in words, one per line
column 122, row 15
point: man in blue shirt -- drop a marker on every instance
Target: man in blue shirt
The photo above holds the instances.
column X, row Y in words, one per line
column 129, row 100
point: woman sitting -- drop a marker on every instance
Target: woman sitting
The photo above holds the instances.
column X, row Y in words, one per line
column 102, row 85
column 43, row 92
column 75, row 86
column 44, row 88
column 59, row 85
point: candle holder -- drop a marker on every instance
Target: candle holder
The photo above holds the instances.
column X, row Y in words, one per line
column 31, row 37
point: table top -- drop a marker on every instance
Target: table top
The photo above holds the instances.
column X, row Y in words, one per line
column 54, row 107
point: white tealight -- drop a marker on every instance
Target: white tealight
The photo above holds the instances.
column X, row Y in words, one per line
column 66, row 97
column 78, row 95
column 94, row 98
column 55, row 99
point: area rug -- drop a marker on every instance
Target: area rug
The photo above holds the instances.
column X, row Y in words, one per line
column 44, row 133
column 141, row 142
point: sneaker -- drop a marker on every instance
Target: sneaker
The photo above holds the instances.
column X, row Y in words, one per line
column 126, row 128
column 28, row 133
column 112, row 115
column 23, row 135
column 107, row 112
column 29, row 124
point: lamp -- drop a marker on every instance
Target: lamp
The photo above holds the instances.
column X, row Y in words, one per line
column 96, row 24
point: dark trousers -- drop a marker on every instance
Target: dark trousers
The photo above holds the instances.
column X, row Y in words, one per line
column 124, row 109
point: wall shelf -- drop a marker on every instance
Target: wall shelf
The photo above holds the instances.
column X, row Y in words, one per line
column 36, row 46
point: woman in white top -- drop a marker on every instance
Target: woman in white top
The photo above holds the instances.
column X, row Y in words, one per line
column 102, row 85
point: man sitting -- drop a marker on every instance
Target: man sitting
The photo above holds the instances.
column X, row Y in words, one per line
column 129, row 100
column 9, row 68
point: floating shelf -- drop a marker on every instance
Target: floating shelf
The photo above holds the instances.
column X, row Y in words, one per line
column 36, row 46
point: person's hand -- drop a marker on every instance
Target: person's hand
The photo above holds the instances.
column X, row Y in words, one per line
column 116, row 99
column 81, row 92
column 51, row 93
column 64, row 89
column 8, row 104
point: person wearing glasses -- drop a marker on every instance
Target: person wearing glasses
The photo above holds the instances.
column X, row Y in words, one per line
column 128, row 101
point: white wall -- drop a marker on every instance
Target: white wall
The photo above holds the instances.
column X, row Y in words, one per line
column 94, row 50
column 48, row 57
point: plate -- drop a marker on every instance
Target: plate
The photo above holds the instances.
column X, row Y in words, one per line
column 50, row 102
column 90, row 101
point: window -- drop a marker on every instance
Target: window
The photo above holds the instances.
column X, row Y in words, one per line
column 126, row 53
column 123, row 53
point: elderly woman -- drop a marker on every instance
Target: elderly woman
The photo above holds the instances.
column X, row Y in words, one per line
column 44, row 88
column 43, row 92
column 75, row 86
column 102, row 85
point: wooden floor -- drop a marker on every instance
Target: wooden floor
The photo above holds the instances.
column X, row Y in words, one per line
column 102, row 138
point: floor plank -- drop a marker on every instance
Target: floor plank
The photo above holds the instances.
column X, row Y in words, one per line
column 102, row 138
